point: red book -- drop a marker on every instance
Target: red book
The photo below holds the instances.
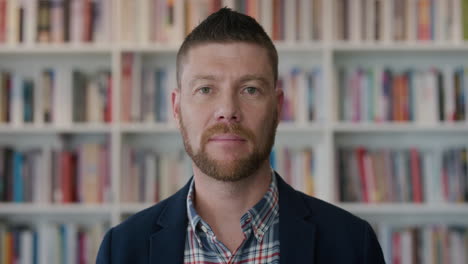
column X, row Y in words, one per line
column 127, row 62
column 87, row 30
column 405, row 97
column 82, row 251
column 276, row 19
column 396, row 248
column 108, row 110
column 416, row 175
column 3, row 16
column 215, row 5
column 360, row 153
column 67, row 176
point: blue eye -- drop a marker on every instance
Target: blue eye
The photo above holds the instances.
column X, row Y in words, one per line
column 251, row 90
column 204, row 90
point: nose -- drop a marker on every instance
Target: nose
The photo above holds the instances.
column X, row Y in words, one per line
column 228, row 109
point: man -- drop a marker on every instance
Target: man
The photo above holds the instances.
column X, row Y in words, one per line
column 235, row 209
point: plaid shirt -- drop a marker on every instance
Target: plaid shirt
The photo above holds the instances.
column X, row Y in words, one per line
column 260, row 226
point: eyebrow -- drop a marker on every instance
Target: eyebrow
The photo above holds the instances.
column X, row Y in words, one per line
column 254, row 77
column 245, row 78
column 201, row 78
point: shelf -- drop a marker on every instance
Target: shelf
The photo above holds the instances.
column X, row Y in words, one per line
column 51, row 129
column 406, row 209
column 410, row 214
column 319, row 46
column 308, row 127
column 149, row 128
column 399, row 127
column 173, row 48
column 395, row 46
column 300, row 46
column 77, row 49
column 171, row 128
column 53, row 209
column 150, row 47
column 132, row 208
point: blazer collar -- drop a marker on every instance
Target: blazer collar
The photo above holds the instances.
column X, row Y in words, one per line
column 167, row 244
column 297, row 232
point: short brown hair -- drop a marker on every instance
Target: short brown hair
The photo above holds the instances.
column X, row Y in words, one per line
column 225, row 26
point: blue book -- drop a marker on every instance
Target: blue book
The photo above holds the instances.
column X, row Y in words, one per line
column 28, row 100
column 162, row 103
column 388, row 94
column 273, row 159
column 2, row 174
column 63, row 244
column 18, row 181
column 160, row 97
column 35, row 247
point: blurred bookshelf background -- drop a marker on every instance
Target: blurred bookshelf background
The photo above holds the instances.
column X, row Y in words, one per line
column 375, row 117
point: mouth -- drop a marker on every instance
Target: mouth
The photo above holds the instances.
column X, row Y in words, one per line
column 226, row 138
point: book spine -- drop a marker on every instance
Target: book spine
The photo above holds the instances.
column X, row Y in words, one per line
column 3, row 21
column 18, row 181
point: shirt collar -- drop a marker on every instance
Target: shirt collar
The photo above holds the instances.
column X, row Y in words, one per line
column 257, row 219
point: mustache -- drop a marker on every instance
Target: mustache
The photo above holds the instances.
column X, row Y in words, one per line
column 231, row 128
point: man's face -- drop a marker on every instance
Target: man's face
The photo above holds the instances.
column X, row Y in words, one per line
column 227, row 108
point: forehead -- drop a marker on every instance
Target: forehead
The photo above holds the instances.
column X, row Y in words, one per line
column 226, row 59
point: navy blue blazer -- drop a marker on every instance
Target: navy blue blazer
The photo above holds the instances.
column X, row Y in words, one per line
column 311, row 231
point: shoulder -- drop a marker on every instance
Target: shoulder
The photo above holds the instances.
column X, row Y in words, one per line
column 148, row 220
column 340, row 231
column 128, row 241
column 145, row 221
column 323, row 211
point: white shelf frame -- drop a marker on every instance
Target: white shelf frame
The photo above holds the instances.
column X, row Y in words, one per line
column 327, row 49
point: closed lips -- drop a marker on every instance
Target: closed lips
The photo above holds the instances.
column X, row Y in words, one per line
column 227, row 137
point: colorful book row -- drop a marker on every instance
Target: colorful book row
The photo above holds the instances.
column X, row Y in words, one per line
column 165, row 21
column 425, row 96
column 145, row 91
column 50, row 243
column 303, row 95
column 296, row 166
column 403, row 175
column 431, row 244
column 81, row 175
column 55, row 21
column 45, row 97
column 149, row 177
column 401, row 20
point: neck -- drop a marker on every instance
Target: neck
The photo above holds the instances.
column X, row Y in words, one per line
column 222, row 204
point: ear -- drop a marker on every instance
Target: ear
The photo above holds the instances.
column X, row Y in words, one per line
column 279, row 101
column 175, row 100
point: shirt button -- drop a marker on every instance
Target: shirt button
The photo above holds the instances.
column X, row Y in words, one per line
column 204, row 229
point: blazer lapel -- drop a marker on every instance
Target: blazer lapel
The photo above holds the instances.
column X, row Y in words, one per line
column 297, row 232
column 167, row 244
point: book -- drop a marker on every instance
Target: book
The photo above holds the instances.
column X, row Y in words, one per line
column 402, row 175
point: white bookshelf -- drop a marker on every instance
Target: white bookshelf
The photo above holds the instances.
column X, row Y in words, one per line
column 325, row 136
column 323, row 53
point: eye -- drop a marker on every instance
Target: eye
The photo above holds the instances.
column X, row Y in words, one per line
column 251, row 90
column 204, row 90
